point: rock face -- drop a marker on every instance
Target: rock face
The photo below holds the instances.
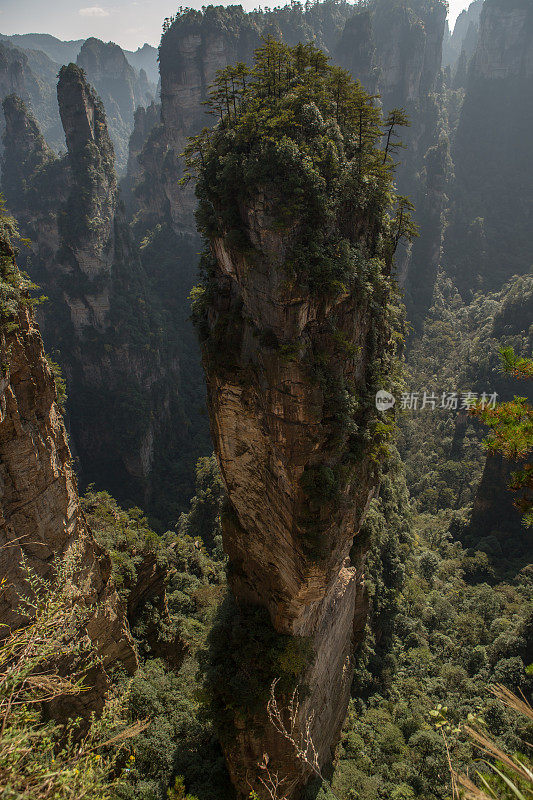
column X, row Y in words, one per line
column 145, row 58
column 489, row 238
column 271, row 433
column 121, row 386
column 145, row 120
column 90, row 242
column 30, row 75
column 462, row 42
column 505, row 48
column 120, row 88
column 409, row 44
column 291, row 368
column 40, row 516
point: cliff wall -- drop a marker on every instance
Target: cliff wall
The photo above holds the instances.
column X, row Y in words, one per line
column 489, row 238
column 294, row 316
column 40, row 515
column 102, row 323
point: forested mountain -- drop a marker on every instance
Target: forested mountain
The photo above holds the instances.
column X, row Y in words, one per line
column 317, row 263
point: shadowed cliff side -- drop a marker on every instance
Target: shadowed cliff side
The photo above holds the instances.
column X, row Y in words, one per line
column 489, row 238
column 112, row 340
column 40, row 515
column 296, row 316
column 119, row 87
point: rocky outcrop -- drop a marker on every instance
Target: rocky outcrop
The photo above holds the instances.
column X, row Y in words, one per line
column 40, row 515
column 396, row 51
column 15, row 75
column 291, row 369
column 120, row 88
column 145, row 58
column 32, row 76
column 145, row 120
column 393, row 49
column 409, row 46
column 418, row 272
column 273, row 435
column 121, row 383
column 91, row 164
column 356, row 50
column 462, row 42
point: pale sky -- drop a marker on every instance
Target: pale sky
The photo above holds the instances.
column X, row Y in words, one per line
column 129, row 23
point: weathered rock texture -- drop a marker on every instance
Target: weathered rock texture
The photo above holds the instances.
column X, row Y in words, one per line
column 145, row 120
column 281, row 445
column 505, row 47
column 101, row 322
column 40, row 516
column 459, row 46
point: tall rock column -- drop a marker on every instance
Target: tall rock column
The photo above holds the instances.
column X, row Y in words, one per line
column 103, row 324
column 295, row 320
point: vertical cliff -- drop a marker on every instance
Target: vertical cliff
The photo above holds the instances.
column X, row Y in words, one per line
column 120, row 88
column 92, row 202
column 394, row 49
column 145, row 120
column 40, row 515
column 102, row 323
column 295, row 318
column 32, row 76
column 489, row 239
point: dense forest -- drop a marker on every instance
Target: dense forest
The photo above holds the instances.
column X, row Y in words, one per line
column 266, row 424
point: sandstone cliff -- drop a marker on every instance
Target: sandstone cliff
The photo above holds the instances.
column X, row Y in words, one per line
column 103, row 325
column 505, row 46
column 120, row 88
column 40, row 516
column 293, row 347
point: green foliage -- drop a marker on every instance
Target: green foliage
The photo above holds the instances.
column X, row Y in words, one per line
column 40, row 760
column 203, row 518
column 125, row 535
column 59, row 381
column 447, row 636
column 15, row 287
column 511, row 431
column 245, row 656
column 180, row 740
column 458, row 351
column 502, row 775
column 308, row 135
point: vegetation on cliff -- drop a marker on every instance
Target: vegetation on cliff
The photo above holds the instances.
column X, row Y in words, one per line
column 14, row 287
column 448, row 574
column 308, row 135
column 511, row 432
column 40, row 760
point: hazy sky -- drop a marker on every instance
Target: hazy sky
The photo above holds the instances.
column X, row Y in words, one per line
column 130, row 23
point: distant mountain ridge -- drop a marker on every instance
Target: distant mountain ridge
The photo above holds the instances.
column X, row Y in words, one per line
column 29, row 65
column 63, row 52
